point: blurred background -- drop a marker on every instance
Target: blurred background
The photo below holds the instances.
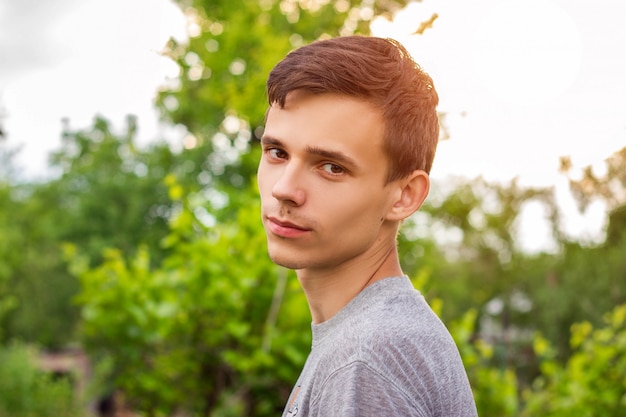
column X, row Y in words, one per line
column 133, row 273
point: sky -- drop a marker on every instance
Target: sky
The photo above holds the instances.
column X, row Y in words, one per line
column 523, row 82
column 77, row 59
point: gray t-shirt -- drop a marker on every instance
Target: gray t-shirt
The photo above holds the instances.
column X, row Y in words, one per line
column 386, row 353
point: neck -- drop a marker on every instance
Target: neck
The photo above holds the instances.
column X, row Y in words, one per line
column 327, row 292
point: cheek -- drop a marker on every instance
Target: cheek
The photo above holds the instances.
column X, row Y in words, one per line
column 264, row 180
column 356, row 209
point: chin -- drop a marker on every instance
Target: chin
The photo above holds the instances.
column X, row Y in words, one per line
column 287, row 262
column 284, row 255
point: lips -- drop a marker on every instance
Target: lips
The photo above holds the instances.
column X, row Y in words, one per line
column 285, row 228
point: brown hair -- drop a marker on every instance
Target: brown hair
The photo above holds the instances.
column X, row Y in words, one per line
column 380, row 71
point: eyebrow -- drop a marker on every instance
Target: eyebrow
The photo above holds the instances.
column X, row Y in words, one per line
column 268, row 140
column 336, row 156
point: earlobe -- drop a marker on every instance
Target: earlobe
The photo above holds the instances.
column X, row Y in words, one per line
column 411, row 195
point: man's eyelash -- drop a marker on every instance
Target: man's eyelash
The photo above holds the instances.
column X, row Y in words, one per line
column 332, row 165
column 273, row 151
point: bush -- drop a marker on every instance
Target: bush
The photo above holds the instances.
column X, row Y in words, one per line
column 593, row 380
column 25, row 391
column 495, row 388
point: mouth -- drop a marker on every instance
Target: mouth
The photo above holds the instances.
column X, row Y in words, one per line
column 285, row 228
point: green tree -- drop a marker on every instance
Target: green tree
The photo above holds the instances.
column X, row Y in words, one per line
column 108, row 192
column 609, row 187
column 10, row 235
column 8, row 254
column 584, row 281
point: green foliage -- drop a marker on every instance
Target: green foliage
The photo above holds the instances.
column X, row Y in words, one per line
column 29, row 270
column 108, row 193
column 27, row 392
column 494, row 387
column 579, row 284
column 10, row 235
column 467, row 230
column 196, row 332
column 593, row 380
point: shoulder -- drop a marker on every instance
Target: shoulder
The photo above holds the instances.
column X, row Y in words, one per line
column 399, row 322
column 406, row 340
column 386, row 351
column 398, row 347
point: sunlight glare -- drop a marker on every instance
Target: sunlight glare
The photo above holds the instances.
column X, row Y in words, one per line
column 527, row 52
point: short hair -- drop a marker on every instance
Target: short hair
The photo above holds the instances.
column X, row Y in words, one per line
column 380, row 71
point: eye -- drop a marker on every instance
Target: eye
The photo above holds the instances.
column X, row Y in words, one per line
column 333, row 169
column 276, row 153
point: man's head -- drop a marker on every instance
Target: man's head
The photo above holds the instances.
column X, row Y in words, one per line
column 379, row 71
column 349, row 135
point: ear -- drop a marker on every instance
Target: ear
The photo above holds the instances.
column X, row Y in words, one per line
column 412, row 192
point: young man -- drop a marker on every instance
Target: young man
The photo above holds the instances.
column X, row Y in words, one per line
column 348, row 144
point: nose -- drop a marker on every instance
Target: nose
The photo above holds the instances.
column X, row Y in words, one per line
column 288, row 187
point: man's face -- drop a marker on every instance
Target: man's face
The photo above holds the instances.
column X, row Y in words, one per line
column 322, row 182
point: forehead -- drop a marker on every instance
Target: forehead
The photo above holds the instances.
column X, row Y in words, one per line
column 330, row 121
